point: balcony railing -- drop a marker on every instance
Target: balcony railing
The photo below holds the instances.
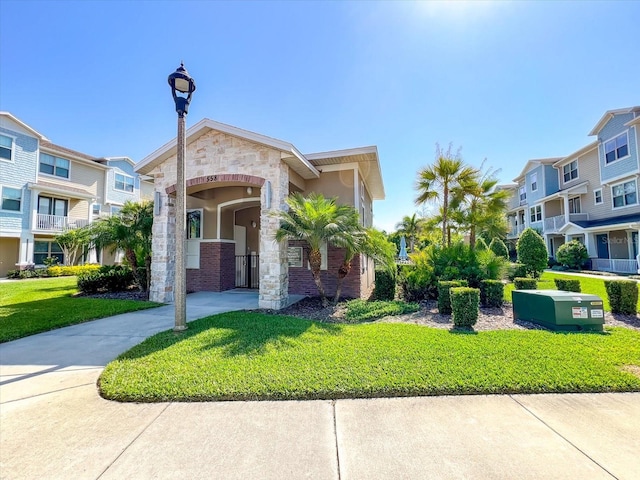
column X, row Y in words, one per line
column 553, row 224
column 618, row 265
column 578, row 217
column 515, row 231
column 58, row 223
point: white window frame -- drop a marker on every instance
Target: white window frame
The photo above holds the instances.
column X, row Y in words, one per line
column 93, row 206
column 613, row 139
column 53, row 175
column 50, row 251
column 2, row 187
column 613, row 207
column 572, row 201
column 595, row 197
column 201, row 210
column 534, row 182
column 522, row 193
column 124, row 176
column 569, row 172
column 13, row 148
column 534, row 213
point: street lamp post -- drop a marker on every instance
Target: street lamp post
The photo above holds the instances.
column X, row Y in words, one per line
column 182, row 87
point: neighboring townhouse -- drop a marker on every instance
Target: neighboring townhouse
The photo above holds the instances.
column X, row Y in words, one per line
column 236, row 181
column 595, row 200
column 47, row 189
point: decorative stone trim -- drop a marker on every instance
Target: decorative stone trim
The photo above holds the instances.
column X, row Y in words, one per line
column 224, row 177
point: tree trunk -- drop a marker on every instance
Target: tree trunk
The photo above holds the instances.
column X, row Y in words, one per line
column 472, row 237
column 445, row 208
column 133, row 263
column 315, row 261
column 343, row 271
column 147, row 264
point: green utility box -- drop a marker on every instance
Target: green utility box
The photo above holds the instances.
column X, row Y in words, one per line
column 559, row 310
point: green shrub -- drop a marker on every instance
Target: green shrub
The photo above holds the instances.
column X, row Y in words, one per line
column 532, row 252
column 359, row 309
column 572, row 254
column 28, row 273
column 106, row 278
column 415, row 282
column 516, row 270
column 491, row 293
column 567, row 284
column 525, row 283
column 66, row 271
column 464, row 304
column 444, row 298
column 623, row 296
column 498, row 247
column 481, row 245
column 385, row 285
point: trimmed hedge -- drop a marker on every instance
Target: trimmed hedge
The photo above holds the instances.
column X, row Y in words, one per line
column 464, row 304
column 567, row 284
column 67, row 271
column 491, row 293
column 516, row 270
column 623, row 296
column 522, row 283
column 385, row 285
column 444, row 300
column 106, row 279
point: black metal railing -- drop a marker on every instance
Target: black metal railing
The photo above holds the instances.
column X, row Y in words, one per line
column 247, row 271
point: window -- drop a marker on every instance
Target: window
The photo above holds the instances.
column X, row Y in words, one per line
column 624, row 194
column 11, row 199
column 42, row 250
column 96, row 209
column 536, row 213
column 115, row 210
column 124, row 182
column 194, row 224
column 574, row 205
column 52, row 206
column 523, row 193
column 54, row 166
column 597, row 195
column 534, row 182
column 6, row 148
column 570, row 171
column 616, row 148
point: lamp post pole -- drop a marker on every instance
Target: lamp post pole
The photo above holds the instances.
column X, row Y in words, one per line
column 181, row 82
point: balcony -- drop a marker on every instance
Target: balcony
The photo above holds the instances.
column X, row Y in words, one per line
column 516, row 231
column 617, row 265
column 553, row 224
column 58, row 223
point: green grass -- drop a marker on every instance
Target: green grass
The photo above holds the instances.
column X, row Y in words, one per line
column 34, row 306
column 359, row 310
column 594, row 286
column 243, row 356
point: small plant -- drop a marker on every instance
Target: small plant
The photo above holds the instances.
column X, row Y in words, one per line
column 464, row 304
column 51, row 261
column 66, row 271
column 444, row 299
column 525, row 283
column 623, row 296
column 385, row 285
column 498, row 247
column 491, row 293
column 516, row 270
column 567, row 284
column 572, row 254
column 532, row 252
column 107, row 278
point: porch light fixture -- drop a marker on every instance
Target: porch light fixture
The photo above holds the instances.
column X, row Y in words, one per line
column 249, row 190
column 182, row 87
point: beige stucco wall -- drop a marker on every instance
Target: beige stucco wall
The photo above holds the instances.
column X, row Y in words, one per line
column 553, row 208
column 9, row 251
column 83, row 176
column 334, row 184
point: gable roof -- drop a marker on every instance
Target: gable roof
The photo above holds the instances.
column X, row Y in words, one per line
column 23, row 125
column 536, row 162
column 291, row 155
column 576, row 154
column 609, row 114
column 49, row 147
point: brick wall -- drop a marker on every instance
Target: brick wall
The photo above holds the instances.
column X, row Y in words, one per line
column 217, row 268
column 301, row 281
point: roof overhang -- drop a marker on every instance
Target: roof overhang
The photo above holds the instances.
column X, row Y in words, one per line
column 23, row 125
column 569, row 158
column 534, row 163
column 368, row 164
column 289, row 154
column 635, row 121
column 608, row 115
column 69, row 192
column 53, row 149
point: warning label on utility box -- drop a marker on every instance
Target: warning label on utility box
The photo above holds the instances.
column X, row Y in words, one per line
column 579, row 312
column 597, row 313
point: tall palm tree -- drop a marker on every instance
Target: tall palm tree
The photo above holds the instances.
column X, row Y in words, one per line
column 410, row 227
column 317, row 220
column 440, row 181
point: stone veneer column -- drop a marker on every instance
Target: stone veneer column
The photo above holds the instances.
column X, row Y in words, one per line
column 163, row 257
column 274, row 267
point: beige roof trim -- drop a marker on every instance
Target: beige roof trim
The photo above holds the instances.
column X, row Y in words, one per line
column 608, row 115
column 587, row 148
column 536, row 162
column 23, row 125
column 67, row 191
column 292, row 155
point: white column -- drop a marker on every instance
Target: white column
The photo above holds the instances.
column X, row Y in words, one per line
column 565, row 199
column 25, row 253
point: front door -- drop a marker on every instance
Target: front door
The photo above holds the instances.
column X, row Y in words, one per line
column 602, row 240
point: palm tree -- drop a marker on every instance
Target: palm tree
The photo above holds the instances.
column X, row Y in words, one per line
column 130, row 231
column 410, row 227
column 317, row 220
column 440, row 181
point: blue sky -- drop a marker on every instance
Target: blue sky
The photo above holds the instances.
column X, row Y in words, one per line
column 506, row 81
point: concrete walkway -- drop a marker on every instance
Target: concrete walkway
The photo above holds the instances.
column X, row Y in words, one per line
column 53, row 424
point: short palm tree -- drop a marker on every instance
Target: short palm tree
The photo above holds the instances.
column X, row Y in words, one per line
column 410, row 227
column 317, row 220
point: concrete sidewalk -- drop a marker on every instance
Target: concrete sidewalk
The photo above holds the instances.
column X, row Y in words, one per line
column 53, row 424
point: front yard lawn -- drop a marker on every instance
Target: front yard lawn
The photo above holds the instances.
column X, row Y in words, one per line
column 34, row 306
column 247, row 355
column 594, row 286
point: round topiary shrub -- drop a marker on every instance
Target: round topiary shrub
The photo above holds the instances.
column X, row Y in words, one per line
column 532, row 252
column 572, row 254
column 498, row 247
